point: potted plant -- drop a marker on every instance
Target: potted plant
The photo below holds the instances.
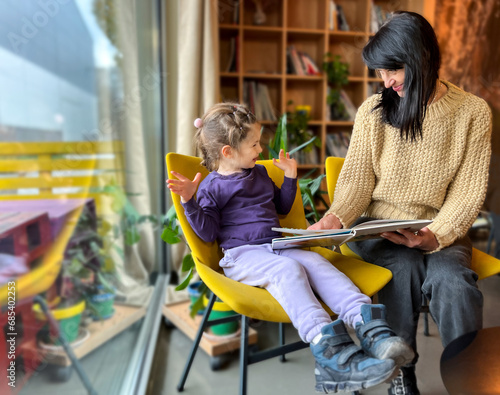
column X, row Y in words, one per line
column 310, row 188
column 337, row 73
column 298, row 133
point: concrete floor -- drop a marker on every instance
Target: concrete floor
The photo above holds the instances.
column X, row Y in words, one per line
column 296, row 375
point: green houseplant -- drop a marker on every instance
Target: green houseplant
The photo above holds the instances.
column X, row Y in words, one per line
column 88, row 269
column 337, row 73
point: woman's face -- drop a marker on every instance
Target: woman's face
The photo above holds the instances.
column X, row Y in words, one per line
column 393, row 79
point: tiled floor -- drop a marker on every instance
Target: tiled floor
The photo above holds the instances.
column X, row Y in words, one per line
column 296, row 375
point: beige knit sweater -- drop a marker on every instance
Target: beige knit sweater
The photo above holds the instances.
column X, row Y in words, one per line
column 442, row 176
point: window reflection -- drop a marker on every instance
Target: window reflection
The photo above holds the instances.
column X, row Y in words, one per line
column 76, row 224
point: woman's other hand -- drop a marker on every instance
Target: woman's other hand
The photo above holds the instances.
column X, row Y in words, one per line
column 424, row 239
column 329, row 221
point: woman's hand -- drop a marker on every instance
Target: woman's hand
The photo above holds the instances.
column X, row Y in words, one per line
column 329, row 221
column 183, row 186
column 424, row 239
column 289, row 166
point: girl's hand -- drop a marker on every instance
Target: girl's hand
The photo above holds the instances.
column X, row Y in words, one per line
column 183, row 186
column 289, row 166
column 424, row 239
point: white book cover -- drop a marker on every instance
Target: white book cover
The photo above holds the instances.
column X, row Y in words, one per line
column 329, row 237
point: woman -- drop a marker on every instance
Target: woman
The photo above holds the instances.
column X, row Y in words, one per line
column 420, row 149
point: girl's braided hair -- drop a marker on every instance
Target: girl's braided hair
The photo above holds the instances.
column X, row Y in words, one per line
column 223, row 124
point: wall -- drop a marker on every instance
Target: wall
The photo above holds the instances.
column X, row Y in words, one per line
column 468, row 33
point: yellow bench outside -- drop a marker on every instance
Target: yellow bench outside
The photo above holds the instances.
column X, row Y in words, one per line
column 52, row 170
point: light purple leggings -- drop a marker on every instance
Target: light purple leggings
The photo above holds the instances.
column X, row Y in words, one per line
column 291, row 276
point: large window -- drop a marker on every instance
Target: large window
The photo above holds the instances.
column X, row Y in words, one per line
column 80, row 191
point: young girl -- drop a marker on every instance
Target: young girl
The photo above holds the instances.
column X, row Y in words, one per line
column 237, row 204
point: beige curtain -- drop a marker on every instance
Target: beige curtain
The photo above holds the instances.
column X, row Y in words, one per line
column 133, row 271
column 197, row 63
column 192, row 53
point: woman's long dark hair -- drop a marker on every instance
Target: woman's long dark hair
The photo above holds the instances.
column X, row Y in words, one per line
column 406, row 41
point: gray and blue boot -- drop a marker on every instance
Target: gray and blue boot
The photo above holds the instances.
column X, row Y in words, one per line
column 341, row 365
column 378, row 340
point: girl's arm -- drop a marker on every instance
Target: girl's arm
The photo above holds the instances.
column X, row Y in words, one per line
column 284, row 198
column 203, row 220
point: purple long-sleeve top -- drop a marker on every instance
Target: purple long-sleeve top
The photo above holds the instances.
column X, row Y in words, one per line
column 240, row 208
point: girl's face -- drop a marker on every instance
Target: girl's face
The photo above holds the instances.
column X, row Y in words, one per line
column 393, row 79
column 248, row 153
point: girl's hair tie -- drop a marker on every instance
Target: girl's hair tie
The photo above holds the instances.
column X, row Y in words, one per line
column 198, row 123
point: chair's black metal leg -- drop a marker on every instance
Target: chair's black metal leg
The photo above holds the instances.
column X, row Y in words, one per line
column 425, row 306
column 282, row 340
column 244, row 354
column 196, row 343
column 426, row 324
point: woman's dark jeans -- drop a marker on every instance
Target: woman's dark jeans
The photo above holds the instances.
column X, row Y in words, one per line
column 444, row 277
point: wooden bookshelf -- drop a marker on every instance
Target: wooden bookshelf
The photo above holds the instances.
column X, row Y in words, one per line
column 261, row 54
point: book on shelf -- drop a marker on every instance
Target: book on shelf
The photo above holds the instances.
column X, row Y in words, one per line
column 348, row 104
column 300, row 63
column 231, row 63
column 228, row 7
column 332, row 15
column 257, row 97
column 306, row 157
column 341, row 19
column 337, row 143
column 377, row 17
column 336, row 237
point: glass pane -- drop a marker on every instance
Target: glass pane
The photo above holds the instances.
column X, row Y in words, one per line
column 79, row 222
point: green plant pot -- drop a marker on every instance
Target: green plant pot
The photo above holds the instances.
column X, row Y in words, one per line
column 101, row 306
column 69, row 319
column 221, row 310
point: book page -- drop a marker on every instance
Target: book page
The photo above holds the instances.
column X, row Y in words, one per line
column 379, row 226
column 313, row 240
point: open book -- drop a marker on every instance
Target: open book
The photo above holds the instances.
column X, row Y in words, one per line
column 330, row 237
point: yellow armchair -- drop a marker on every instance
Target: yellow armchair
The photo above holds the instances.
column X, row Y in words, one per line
column 248, row 301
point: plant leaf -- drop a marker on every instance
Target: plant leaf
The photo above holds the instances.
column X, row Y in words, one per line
column 302, row 146
column 187, row 262
column 198, row 304
column 169, row 235
column 132, row 236
column 186, row 281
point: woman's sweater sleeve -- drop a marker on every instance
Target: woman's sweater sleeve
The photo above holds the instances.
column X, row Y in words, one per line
column 356, row 182
column 467, row 191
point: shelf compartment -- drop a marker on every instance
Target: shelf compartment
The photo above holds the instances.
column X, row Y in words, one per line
column 310, row 155
column 229, row 88
column 356, row 14
column 274, row 97
column 373, row 87
column 273, row 11
column 228, row 50
column 349, row 48
column 256, row 43
column 355, row 91
column 228, row 12
column 337, row 141
column 312, row 45
column 302, row 92
column 306, row 14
